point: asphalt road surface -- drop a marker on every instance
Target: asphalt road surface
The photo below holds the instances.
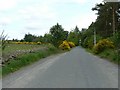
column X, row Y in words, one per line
column 74, row 69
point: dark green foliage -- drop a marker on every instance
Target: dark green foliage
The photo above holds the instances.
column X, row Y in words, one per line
column 30, row 38
column 107, row 22
column 47, row 38
column 116, row 40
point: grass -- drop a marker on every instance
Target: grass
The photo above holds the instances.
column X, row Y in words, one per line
column 10, row 48
column 26, row 59
column 109, row 54
column 15, row 50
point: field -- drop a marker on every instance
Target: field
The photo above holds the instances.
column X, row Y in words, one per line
column 14, row 50
column 10, row 48
column 16, row 56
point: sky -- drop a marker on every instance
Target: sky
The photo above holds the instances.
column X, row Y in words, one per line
column 20, row 17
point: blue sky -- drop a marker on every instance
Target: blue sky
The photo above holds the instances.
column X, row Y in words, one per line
column 18, row 17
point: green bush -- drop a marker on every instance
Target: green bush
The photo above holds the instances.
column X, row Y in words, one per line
column 116, row 40
column 102, row 45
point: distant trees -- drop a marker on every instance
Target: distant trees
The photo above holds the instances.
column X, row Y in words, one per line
column 74, row 36
column 30, row 38
column 56, row 36
column 47, row 38
column 87, row 37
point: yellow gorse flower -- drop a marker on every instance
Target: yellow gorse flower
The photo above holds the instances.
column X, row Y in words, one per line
column 66, row 45
column 33, row 43
column 103, row 44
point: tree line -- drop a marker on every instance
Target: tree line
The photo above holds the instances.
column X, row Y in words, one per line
column 103, row 36
column 56, row 36
column 107, row 24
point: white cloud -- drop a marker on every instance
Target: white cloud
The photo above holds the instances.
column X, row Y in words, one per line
column 74, row 1
column 82, row 21
column 7, row 4
column 33, row 25
column 65, row 1
column 37, row 16
column 5, row 21
column 36, row 12
column 32, row 28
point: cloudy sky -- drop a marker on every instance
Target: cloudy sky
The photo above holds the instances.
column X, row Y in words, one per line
column 18, row 17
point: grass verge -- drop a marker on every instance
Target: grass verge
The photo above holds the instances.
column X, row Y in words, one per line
column 109, row 54
column 26, row 59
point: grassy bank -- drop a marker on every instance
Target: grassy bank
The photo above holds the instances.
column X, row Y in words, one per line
column 109, row 54
column 18, row 49
column 29, row 58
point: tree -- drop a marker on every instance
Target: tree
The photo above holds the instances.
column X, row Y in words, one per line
column 64, row 35
column 74, row 36
column 47, row 38
column 29, row 37
column 87, row 36
column 57, row 33
column 107, row 22
column 41, row 39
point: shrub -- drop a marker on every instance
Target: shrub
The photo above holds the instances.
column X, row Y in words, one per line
column 116, row 39
column 71, row 44
column 102, row 45
column 18, row 42
column 65, row 45
column 38, row 43
column 33, row 43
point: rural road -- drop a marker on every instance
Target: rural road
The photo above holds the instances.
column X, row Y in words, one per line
column 74, row 69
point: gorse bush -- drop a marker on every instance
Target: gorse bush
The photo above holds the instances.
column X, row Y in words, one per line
column 102, row 45
column 34, row 43
column 66, row 45
column 71, row 44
